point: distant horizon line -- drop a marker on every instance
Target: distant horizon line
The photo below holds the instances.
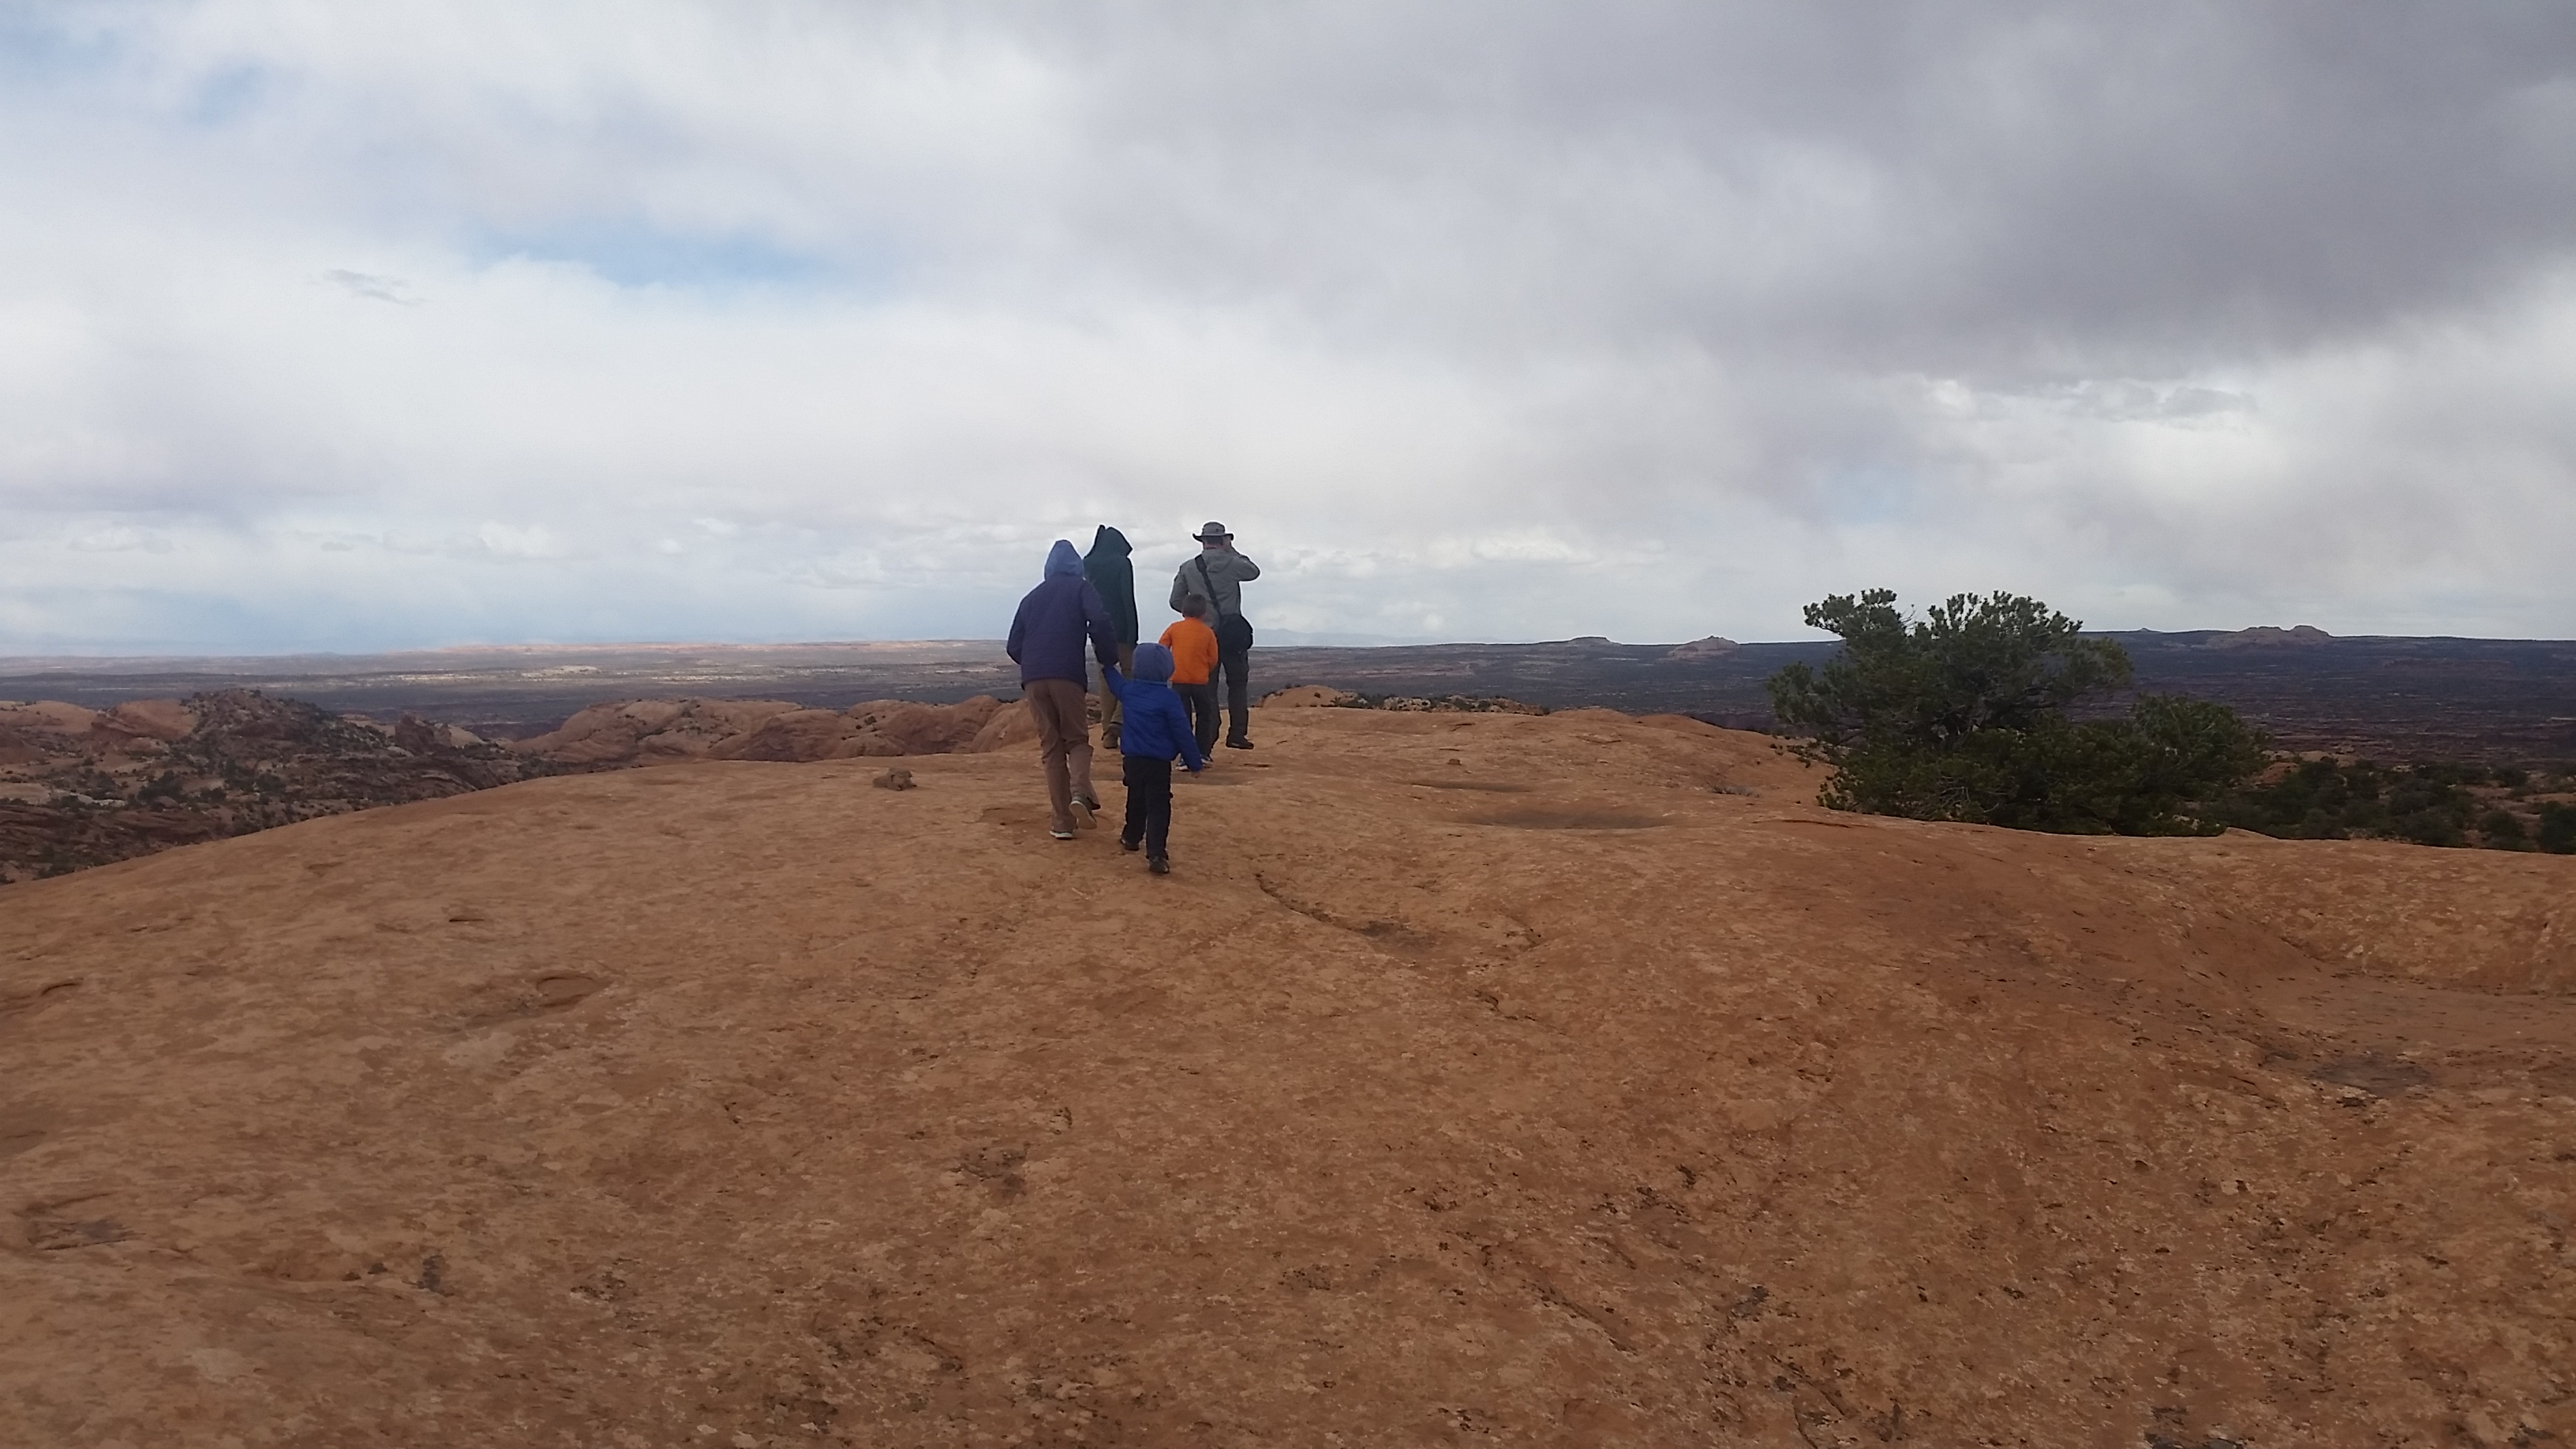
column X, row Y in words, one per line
column 1293, row 639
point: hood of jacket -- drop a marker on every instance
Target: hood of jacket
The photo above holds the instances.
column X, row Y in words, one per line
column 1153, row 664
column 1110, row 572
column 1062, row 560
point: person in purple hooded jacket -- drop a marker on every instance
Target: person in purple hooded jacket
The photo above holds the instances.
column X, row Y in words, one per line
column 1046, row 642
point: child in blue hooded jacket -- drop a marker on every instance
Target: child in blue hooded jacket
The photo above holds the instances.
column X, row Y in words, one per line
column 1156, row 729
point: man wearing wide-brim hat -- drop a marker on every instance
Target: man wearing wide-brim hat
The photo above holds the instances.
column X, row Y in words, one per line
column 1218, row 575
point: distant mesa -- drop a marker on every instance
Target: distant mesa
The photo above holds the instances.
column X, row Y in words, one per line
column 2266, row 636
column 1712, row 647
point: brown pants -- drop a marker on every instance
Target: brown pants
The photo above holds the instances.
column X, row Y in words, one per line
column 1064, row 742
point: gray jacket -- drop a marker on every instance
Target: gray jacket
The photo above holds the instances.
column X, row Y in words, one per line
column 1227, row 573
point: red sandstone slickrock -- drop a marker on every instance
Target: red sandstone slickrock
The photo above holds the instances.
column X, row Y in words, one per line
column 1474, row 1079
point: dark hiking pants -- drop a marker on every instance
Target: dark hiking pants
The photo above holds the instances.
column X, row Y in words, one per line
column 1237, row 669
column 1149, row 803
column 1200, row 700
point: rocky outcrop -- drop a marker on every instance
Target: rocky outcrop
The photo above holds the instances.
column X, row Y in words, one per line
column 878, row 727
column 650, row 731
column 802, row 734
column 1453, row 704
column 1007, row 729
column 672, row 731
column 82, row 787
column 47, row 734
column 1309, row 696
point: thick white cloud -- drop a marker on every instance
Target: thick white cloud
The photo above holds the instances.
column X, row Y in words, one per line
column 333, row 326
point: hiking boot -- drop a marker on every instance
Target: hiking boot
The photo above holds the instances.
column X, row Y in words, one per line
column 1061, row 833
column 1159, row 864
column 1238, row 744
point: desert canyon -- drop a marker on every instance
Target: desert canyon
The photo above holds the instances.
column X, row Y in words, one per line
column 1477, row 1078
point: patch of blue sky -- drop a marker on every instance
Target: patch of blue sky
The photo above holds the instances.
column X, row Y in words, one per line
column 228, row 95
column 1870, row 494
column 37, row 45
column 1860, row 494
column 636, row 254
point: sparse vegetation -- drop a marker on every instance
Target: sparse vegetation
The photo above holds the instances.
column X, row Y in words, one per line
column 1968, row 714
column 1441, row 704
column 2557, row 832
column 2445, row 803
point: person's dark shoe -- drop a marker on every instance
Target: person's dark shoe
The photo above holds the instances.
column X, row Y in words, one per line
column 1238, row 744
column 1126, row 844
column 1158, row 864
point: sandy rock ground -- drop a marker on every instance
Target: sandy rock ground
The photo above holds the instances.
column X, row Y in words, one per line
column 1474, row 1079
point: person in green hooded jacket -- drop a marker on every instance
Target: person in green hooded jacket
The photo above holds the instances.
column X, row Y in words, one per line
column 1114, row 578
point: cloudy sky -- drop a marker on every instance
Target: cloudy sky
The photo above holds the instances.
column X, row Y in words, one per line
column 330, row 326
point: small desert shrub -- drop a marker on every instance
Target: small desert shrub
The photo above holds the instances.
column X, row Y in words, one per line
column 2557, row 833
column 2429, row 802
column 1968, row 714
column 2503, row 830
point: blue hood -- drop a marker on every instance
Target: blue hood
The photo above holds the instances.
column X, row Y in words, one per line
column 1062, row 560
column 1153, row 664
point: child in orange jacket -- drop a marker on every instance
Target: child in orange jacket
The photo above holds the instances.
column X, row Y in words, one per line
column 1193, row 646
